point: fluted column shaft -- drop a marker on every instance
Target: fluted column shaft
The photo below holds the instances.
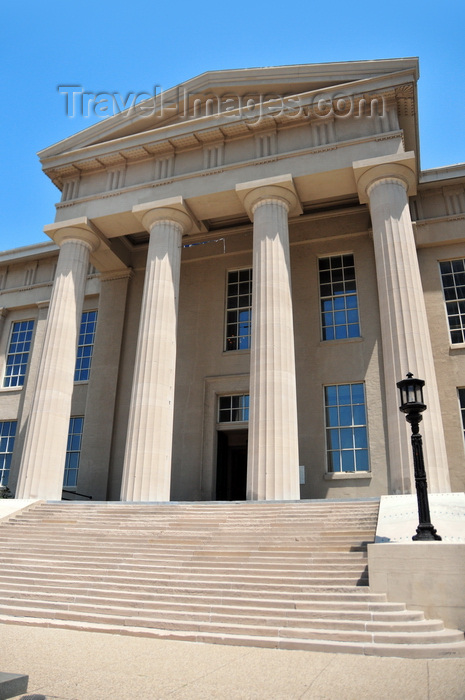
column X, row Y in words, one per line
column 273, row 459
column 405, row 334
column 43, row 459
column 147, row 465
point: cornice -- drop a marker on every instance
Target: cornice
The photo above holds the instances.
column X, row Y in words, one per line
column 250, row 79
column 33, row 252
column 439, row 219
column 202, row 131
column 437, row 176
column 26, row 288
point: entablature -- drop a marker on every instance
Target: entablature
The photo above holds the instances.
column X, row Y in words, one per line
column 324, row 113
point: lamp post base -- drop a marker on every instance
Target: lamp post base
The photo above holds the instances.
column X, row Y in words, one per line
column 426, row 533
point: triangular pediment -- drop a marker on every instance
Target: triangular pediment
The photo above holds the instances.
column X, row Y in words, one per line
column 178, row 111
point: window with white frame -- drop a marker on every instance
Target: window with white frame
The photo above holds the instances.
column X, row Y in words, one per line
column 238, row 309
column 234, row 408
column 85, row 346
column 73, row 452
column 453, row 285
column 462, row 408
column 18, row 353
column 7, row 442
column 346, row 428
column 338, row 298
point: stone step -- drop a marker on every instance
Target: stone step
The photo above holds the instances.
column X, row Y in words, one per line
column 285, row 575
column 213, row 573
column 229, row 615
column 63, row 535
column 205, row 581
column 398, row 637
column 367, row 612
column 295, row 593
column 347, row 578
column 424, row 650
column 257, row 542
column 236, row 509
column 155, row 562
column 226, row 524
column 338, row 604
column 287, row 528
column 258, row 563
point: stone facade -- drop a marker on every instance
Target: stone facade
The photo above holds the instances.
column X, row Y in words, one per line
column 216, row 233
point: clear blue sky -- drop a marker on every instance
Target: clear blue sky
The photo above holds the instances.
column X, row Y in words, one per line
column 130, row 46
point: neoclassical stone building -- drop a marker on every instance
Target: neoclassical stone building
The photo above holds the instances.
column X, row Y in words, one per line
column 239, row 272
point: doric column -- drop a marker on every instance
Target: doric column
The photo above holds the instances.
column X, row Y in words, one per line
column 273, row 456
column 43, row 459
column 147, row 463
column 95, row 460
column 385, row 184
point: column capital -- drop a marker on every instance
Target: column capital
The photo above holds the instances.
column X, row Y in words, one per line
column 271, row 188
column 81, row 229
column 172, row 209
column 400, row 167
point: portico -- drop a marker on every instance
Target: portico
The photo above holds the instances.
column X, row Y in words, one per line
column 317, row 213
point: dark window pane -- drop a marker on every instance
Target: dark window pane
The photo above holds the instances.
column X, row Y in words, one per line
column 361, row 460
column 343, row 392
column 348, row 461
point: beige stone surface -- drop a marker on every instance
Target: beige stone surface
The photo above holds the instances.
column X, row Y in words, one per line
column 426, row 576
column 70, row 665
column 398, row 517
column 12, row 506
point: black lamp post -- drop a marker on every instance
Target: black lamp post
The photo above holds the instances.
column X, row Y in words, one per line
column 411, row 403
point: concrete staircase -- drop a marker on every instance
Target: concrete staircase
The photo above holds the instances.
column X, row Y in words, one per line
column 286, row 575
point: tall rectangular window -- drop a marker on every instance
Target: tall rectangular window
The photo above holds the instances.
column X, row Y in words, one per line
column 238, row 309
column 73, row 452
column 453, row 284
column 233, row 408
column 338, row 298
column 346, row 428
column 7, row 442
column 18, row 353
column 462, row 408
column 85, row 346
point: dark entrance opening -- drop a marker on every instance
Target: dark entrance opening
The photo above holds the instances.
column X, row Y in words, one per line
column 231, row 466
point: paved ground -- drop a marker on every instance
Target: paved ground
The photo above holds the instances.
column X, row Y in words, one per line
column 70, row 665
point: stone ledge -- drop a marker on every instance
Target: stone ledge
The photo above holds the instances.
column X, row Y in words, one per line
column 398, row 517
column 12, row 506
column 425, row 576
column 12, row 684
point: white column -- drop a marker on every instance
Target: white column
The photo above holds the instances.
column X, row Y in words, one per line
column 404, row 325
column 43, row 459
column 273, row 456
column 147, row 464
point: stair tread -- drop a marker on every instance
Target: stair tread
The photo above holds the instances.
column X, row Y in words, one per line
column 286, row 575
